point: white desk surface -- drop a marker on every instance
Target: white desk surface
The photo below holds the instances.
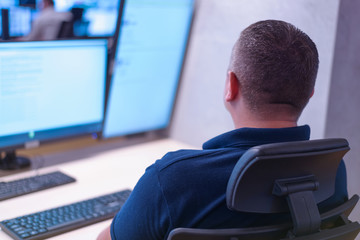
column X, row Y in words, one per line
column 104, row 173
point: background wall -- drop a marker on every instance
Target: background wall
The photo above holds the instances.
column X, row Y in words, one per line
column 343, row 118
column 199, row 113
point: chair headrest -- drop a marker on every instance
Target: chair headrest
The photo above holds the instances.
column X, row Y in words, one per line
column 251, row 182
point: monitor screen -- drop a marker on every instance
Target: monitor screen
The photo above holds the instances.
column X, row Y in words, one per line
column 97, row 18
column 147, row 66
column 20, row 21
column 27, row 3
column 51, row 90
column 8, row 3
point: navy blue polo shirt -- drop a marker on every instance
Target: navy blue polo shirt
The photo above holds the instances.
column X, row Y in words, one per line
column 187, row 188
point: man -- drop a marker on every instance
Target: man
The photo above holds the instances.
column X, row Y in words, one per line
column 270, row 79
column 47, row 25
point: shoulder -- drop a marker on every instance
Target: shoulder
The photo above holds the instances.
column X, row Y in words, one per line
column 185, row 159
column 65, row 15
column 179, row 157
column 52, row 14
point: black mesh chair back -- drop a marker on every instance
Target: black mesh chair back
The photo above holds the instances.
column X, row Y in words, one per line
column 291, row 177
column 66, row 30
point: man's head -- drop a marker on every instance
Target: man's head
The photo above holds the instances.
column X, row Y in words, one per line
column 276, row 66
column 48, row 3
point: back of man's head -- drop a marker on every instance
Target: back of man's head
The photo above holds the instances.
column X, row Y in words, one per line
column 49, row 3
column 276, row 65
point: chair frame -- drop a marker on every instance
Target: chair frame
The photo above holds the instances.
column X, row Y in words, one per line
column 306, row 178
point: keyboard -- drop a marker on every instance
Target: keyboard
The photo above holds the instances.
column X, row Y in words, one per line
column 27, row 185
column 45, row 224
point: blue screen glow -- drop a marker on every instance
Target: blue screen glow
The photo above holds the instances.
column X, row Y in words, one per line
column 51, row 89
column 147, row 65
column 99, row 16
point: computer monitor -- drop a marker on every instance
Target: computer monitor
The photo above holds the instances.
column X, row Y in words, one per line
column 50, row 90
column 94, row 18
column 4, row 15
column 27, row 3
column 8, row 3
column 147, row 67
column 20, row 19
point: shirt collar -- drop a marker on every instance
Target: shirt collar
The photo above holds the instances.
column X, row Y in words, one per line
column 249, row 137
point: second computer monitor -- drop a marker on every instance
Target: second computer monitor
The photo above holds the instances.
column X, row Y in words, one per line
column 50, row 90
column 148, row 62
column 93, row 18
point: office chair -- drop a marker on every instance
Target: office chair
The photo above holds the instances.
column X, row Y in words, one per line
column 66, row 30
column 286, row 177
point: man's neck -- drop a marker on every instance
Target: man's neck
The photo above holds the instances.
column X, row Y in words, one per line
column 272, row 117
column 251, row 120
column 265, row 124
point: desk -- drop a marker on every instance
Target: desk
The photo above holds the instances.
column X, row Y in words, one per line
column 97, row 175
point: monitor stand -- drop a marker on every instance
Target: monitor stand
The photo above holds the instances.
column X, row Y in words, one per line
column 5, row 35
column 12, row 162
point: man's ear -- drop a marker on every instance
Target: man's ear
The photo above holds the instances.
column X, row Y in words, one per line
column 232, row 87
column 312, row 93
